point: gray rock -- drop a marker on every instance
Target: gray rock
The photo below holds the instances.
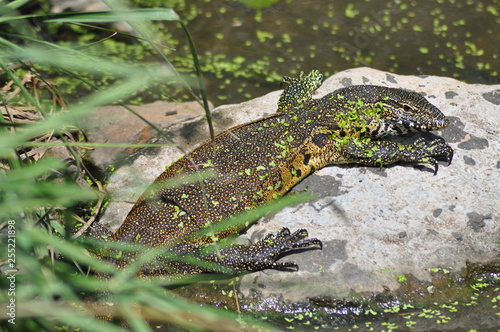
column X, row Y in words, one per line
column 376, row 224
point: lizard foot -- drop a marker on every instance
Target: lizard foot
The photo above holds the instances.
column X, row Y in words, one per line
column 429, row 151
column 265, row 253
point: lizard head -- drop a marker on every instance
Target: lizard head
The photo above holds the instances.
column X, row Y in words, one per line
column 404, row 111
column 389, row 111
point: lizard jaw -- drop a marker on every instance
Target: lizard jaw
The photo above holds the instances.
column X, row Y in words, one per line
column 404, row 126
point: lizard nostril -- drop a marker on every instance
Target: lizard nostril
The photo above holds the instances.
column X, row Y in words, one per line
column 446, row 122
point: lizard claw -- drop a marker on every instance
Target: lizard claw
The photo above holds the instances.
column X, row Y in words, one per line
column 429, row 151
column 275, row 246
column 296, row 240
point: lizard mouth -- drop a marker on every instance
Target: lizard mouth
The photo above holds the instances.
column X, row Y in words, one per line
column 431, row 125
column 443, row 123
column 419, row 124
column 405, row 126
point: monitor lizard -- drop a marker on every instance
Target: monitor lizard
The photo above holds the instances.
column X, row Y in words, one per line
column 258, row 162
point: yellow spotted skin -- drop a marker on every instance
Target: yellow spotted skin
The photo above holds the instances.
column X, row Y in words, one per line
column 258, row 162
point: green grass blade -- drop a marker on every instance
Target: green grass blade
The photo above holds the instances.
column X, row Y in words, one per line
column 138, row 80
column 199, row 74
column 132, row 15
column 11, row 6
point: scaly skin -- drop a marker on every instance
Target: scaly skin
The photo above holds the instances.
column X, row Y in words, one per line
column 258, row 162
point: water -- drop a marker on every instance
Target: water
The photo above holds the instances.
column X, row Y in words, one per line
column 457, row 302
column 245, row 52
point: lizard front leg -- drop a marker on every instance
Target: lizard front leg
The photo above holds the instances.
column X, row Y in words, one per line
column 265, row 253
column 380, row 153
column 191, row 258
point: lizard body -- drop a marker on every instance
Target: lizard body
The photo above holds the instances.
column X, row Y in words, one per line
column 258, row 162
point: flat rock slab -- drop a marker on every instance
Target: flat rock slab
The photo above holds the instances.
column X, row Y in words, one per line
column 115, row 124
column 376, row 224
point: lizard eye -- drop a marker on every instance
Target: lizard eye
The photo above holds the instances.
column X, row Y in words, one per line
column 407, row 108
